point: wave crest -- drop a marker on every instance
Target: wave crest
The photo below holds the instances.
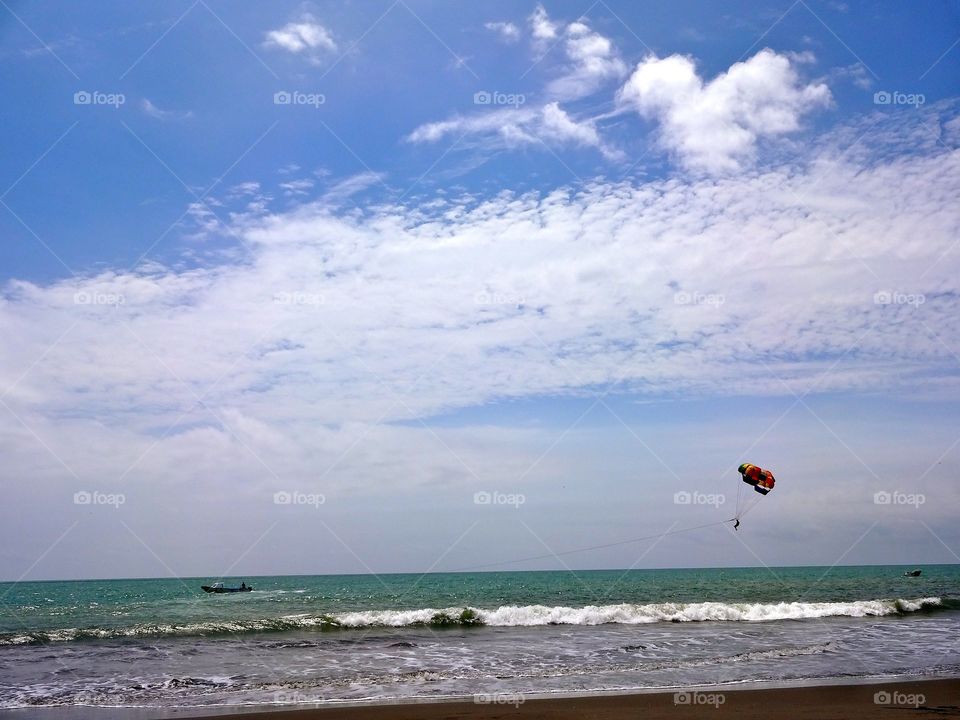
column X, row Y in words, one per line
column 505, row 616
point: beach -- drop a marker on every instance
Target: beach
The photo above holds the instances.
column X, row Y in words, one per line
column 930, row 698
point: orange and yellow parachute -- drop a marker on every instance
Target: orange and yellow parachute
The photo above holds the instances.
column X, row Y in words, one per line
column 762, row 480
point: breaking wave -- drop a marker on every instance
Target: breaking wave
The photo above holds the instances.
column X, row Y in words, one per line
column 505, row 616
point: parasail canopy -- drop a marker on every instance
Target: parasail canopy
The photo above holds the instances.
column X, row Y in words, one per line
column 761, row 480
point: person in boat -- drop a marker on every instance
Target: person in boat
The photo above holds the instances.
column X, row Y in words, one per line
column 243, row 586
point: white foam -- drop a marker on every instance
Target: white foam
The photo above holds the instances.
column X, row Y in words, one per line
column 506, row 616
column 628, row 614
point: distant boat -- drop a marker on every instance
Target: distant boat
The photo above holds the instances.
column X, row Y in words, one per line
column 912, row 573
column 219, row 588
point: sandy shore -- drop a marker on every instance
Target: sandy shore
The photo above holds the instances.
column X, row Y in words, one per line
column 929, row 698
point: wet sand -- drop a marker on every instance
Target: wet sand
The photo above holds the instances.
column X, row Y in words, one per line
column 929, row 698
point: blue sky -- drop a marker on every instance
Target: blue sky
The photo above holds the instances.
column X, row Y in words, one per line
column 394, row 254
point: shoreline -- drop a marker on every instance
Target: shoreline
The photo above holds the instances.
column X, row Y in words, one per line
column 909, row 698
column 821, row 698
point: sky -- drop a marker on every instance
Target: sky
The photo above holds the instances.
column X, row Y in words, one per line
column 297, row 288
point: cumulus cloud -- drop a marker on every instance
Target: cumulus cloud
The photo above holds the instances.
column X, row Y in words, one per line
column 304, row 36
column 715, row 126
column 506, row 31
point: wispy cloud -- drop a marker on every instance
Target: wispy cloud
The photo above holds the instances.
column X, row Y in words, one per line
column 514, row 120
column 542, row 28
column 592, row 62
column 506, row 31
column 150, row 109
column 297, row 188
column 512, row 128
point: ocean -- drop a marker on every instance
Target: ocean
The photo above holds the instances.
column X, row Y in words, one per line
column 163, row 643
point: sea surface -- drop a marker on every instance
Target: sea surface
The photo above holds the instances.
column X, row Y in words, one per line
column 164, row 643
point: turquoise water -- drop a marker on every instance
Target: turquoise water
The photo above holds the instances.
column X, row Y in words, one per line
column 162, row 642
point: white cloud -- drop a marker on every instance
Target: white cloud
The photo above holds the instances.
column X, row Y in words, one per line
column 506, row 31
column 352, row 185
column 521, row 127
column 855, row 73
column 555, row 124
column 295, row 188
column 594, row 271
column 155, row 112
column 305, row 36
column 244, row 189
column 593, row 61
column 715, row 126
column 542, row 28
